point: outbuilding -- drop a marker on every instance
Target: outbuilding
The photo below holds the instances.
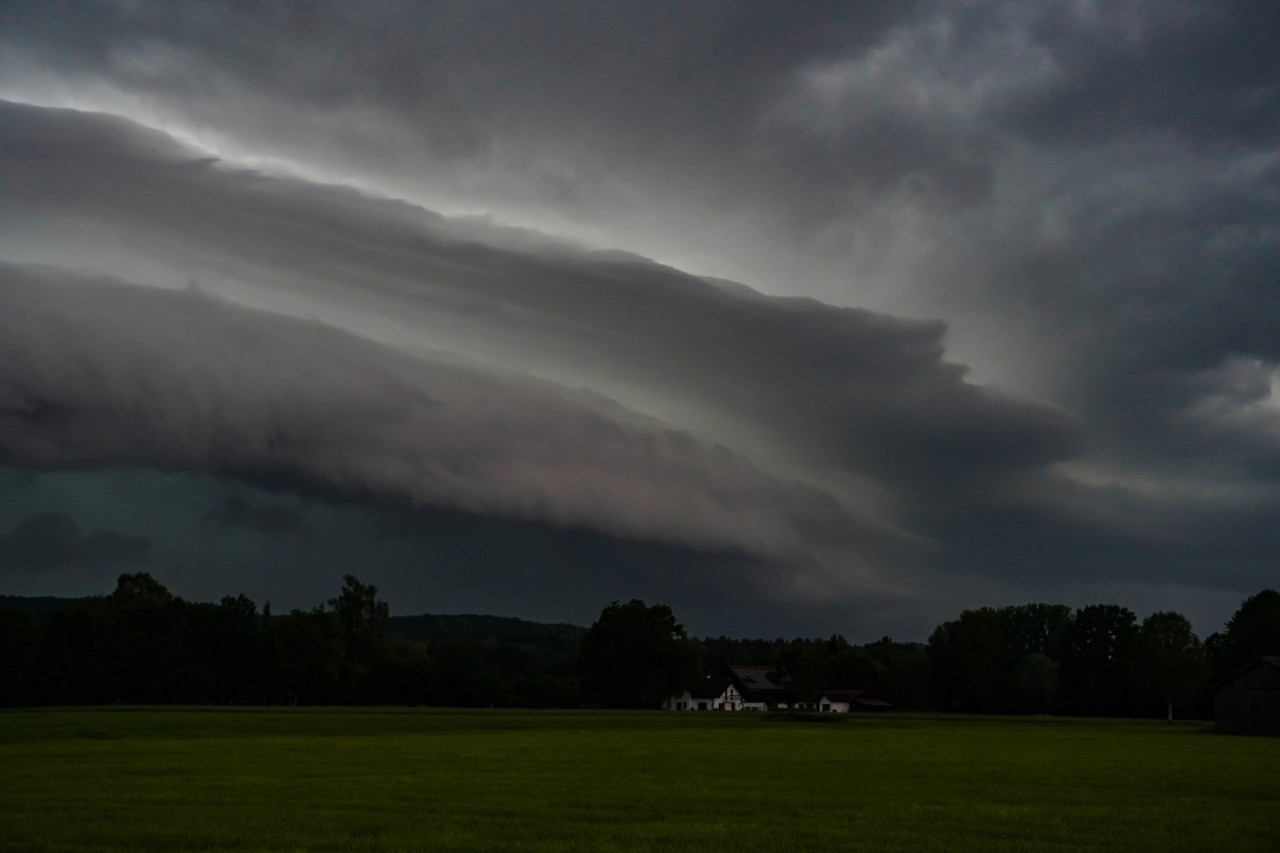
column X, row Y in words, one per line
column 844, row 701
column 1247, row 702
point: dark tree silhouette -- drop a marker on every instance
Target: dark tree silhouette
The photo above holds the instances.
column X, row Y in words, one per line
column 794, row 672
column 634, row 656
column 974, row 662
column 18, row 643
column 1097, row 661
column 363, row 619
column 1252, row 631
column 1170, row 663
column 1040, row 628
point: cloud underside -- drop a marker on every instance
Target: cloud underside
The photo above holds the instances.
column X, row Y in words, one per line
column 513, row 375
column 100, row 373
column 268, row 518
column 47, row 541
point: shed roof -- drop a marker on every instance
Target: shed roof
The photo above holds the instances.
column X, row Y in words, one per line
column 842, row 695
column 854, row 697
column 1269, row 660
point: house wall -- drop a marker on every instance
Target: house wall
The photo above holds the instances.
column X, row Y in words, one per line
column 733, row 700
column 686, row 701
column 680, row 702
column 730, row 700
column 1249, row 702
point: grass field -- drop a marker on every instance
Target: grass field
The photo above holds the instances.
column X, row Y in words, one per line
column 296, row 779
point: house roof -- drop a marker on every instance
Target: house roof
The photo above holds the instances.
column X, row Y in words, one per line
column 754, row 678
column 853, row 697
column 841, row 695
column 1270, row 660
column 754, row 681
column 709, row 688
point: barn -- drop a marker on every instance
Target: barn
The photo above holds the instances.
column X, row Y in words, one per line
column 1248, row 701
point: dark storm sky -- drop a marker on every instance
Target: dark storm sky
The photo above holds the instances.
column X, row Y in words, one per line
column 802, row 318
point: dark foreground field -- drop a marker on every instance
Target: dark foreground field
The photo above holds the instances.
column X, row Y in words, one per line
column 132, row 780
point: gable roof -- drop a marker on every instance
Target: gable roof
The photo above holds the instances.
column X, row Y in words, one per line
column 754, row 682
column 1270, row 660
column 754, row 678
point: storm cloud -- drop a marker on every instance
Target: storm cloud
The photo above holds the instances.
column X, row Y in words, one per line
column 1006, row 325
column 47, row 541
column 269, row 518
column 98, row 373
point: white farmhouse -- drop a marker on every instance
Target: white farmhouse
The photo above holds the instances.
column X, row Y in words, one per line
column 713, row 694
column 753, row 688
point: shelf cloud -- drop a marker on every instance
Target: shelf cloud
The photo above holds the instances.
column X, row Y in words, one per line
column 881, row 309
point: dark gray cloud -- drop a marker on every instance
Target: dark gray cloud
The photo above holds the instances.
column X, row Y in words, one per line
column 825, row 385
column 862, row 405
column 49, row 541
column 275, row 519
column 572, row 114
column 1087, row 196
column 1208, row 74
column 97, row 373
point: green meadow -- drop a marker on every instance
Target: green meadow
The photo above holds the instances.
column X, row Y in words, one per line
column 338, row 779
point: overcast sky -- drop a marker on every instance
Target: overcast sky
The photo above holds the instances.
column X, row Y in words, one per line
column 803, row 318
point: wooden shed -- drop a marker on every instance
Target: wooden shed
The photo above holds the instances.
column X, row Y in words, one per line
column 1248, row 701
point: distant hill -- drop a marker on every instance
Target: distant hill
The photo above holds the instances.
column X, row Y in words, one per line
column 430, row 626
column 424, row 627
column 33, row 606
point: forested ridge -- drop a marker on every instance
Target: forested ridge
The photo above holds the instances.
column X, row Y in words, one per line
column 143, row 644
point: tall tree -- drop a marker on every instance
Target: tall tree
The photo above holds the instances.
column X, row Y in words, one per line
column 1037, row 683
column 18, row 643
column 1097, row 661
column 974, row 663
column 145, row 638
column 308, row 649
column 1252, row 631
column 794, row 671
column 140, row 590
column 839, row 664
column 1170, row 664
column 634, row 656
column 363, row 619
column 1040, row 628
column 73, row 666
column 1038, row 631
column 905, row 677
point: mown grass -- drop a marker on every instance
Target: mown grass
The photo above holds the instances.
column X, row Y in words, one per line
column 336, row 780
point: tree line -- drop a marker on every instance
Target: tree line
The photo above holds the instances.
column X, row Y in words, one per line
column 1030, row 659
column 1094, row 661
column 142, row 644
